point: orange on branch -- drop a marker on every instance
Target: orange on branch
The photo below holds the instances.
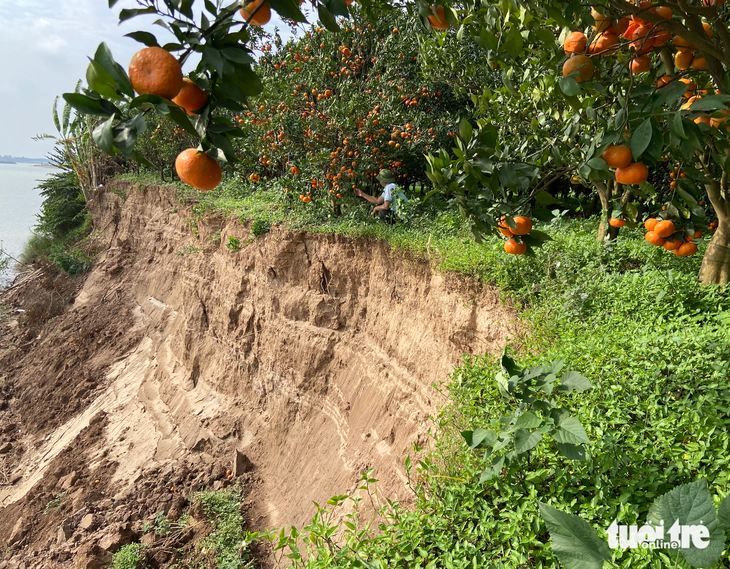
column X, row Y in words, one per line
column 633, row 174
column 683, row 59
column 514, row 248
column 664, row 228
column 686, row 250
column 154, row 71
column 262, row 15
column 575, row 43
column 672, row 244
column 197, row 169
column 523, row 225
column 654, row 239
column 640, row 64
column 581, row 64
column 191, row 97
column 617, row 156
column 438, row 21
column 650, row 223
column 604, row 44
column 615, row 222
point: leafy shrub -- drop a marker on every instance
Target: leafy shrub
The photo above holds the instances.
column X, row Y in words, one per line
column 260, row 226
column 73, row 262
column 63, row 205
column 234, row 243
column 129, row 557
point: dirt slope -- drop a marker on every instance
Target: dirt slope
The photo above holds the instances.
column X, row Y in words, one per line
column 312, row 355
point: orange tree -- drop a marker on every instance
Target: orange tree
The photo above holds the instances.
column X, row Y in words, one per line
column 651, row 76
column 339, row 106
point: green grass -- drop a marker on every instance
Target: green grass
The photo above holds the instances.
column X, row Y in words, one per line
column 632, row 318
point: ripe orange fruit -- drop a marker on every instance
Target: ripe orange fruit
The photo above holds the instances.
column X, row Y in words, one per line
column 614, row 222
column 262, row 15
column 505, row 229
column 602, row 22
column 640, row 64
column 633, row 174
column 154, row 71
column 617, row 156
column 654, row 239
column 197, row 169
column 580, row 63
column 191, row 97
column 664, row 228
column 523, row 225
column 438, row 21
column 683, row 59
column 650, row 223
column 681, row 43
column 686, row 250
column 575, row 42
column 513, row 248
column 604, row 44
column 641, row 39
column 672, row 244
column 699, row 63
column 663, row 12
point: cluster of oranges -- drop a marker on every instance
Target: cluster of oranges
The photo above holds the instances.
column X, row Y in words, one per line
column 663, row 233
column 627, row 172
column 155, row 71
column 523, row 225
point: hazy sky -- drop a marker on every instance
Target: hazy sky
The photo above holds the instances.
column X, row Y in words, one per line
column 44, row 46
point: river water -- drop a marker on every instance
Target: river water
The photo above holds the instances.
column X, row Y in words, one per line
column 20, row 203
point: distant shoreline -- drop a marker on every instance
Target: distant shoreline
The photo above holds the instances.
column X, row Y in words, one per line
column 7, row 162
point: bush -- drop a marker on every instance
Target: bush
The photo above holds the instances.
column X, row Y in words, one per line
column 63, row 205
column 129, row 557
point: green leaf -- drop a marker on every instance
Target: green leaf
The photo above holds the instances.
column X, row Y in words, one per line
column 101, row 82
column 723, row 513
column 598, row 164
column 246, row 80
column 56, row 122
column 103, row 135
column 145, row 38
column 641, row 138
column 513, row 42
column 479, row 438
column 181, row 118
column 526, row 440
column 125, row 134
column 574, row 381
column 669, row 94
column 572, row 452
column 710, row 103
column 574, row 541
column 465, row 130
column 131, row 13
column 290, row 9
column 691, row 504
column 214, row 59
column 570, row 431
column 544, row 198
column 509, row 366
column 528, row 420
column 155, row 101
column 676, row 127
column 89, row 106
column 536, row 238
column 237, row 55
column 337, row 8
column 327, row 19
column 569, row 86
column 221, row 141
column 104, row 58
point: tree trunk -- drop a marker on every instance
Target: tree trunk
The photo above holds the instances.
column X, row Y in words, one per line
column 605, row 231
column 715, row 267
